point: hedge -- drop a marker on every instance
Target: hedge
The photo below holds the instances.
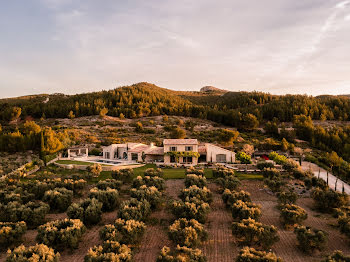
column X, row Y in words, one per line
column 157, row 182
column 33, row 213
column 183, row 254
column 11, row 232
column 109, row 197
column 134, row 209
column 243, row 210
column 196, row 209
column 310, row 239
column 61, row 234
column 39, row 252
column 89, row 211
column 292, row 214
column 195, row 180
column 59, row 199
column 109, row 251
column 247, row 254
column 203, row 194
column 123, row 231
column 249, row 232
column 151, row 194
column 189, row 233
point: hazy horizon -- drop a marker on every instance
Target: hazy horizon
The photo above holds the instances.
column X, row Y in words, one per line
column 79, row 46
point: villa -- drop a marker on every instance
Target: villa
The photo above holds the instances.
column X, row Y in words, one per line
column 187, row 152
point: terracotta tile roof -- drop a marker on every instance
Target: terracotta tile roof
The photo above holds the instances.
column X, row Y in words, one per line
column 180, row 142
column 139, row 149
column 155, row 151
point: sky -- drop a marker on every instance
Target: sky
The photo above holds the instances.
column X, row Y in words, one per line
column 77, row 46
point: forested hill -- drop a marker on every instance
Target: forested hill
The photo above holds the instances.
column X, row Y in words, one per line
column 144, row 99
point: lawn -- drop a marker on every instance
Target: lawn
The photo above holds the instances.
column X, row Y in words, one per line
column 178, row 173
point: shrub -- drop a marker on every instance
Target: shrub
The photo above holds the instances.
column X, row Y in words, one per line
column 61, row 234
column 344, row 225
column 229, row 182
column 271, row 173
column 327, row 200
column 39, row 252
column 230, row 197
column 16, row 194
column 124, row 175
column 189, row 233
column 89, row 211
column 134, row 209
column 292, row 214
column 195, row 180
column 109, row 183
column 194, row 171
column 275, row 184
column 262, row 165
column 183, row 254
column 109, row 251
column 196, row 209
column 223, row 172
column 243, row 157
column 251, row 255
column 290, row 164
column 108, row 197
column 152, row 172
column 33, row 213
column 287, row 197
column 279, row 159
column 251, row 232
column 123, row 231
column 337, row 256
column 151, row 194
column 244, row 210
column 203, row 194
column 75, row 185
column 310, row 239
column 59, row 199
column 157, row 182
column 315, row 182
column 11, row 232
column 94, row 169
column 38, row 188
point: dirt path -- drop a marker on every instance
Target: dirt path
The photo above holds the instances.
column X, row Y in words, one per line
column 156, row 235
column 220, row 245
column 287, row 248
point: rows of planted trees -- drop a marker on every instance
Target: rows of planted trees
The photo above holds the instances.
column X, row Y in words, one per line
column 255, row 237
column 188, row 231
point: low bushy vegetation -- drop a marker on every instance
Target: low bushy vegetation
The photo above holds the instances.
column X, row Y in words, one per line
column 109, row 183
column 196, row 209
column 39, row 252
column 11, row 232
column 123, row 231
column 337, row 256
column 89, row 211
column 195, row 171
column 275, row 184
column 134, row 209
column 287, row 197
column 203, row 194
column 292, row 215
column 109, row 251
column 222, row 172
column 251, row 255
column 243, row 210
column 183, row 254
column 228, row 182
column 150, row 194
column 310, row 239
column 250, row 232
column 153, row 172
column 327, row 200
column 61, row 234
column 189, row 233
column 109, row 197
column 157, row 182
column 33, row 213
column 125, row 175
column 58, row 199
column 230, row 197
column 195, row 180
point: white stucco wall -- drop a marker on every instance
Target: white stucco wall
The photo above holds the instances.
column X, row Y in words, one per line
column 213, row 151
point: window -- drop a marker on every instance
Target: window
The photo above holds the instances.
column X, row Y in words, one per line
column 221, row 158
column 189, row 148
column 187, row 159
column 173, row 148
column 134, row 157
column 107, row 155
column 172, row 159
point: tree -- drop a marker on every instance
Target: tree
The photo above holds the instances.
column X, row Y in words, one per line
column 103, row 112
column 95, row 169
column 227, row 137
column 139, row 127
column 284, row 145
column 30, row 128
column 165, row 118
column 71, row 115
column 310, row 239
column 249, row 122
column 248, row 149
column 15, row 113
column 178, row 133
column 243, row 157
column 121, row 116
